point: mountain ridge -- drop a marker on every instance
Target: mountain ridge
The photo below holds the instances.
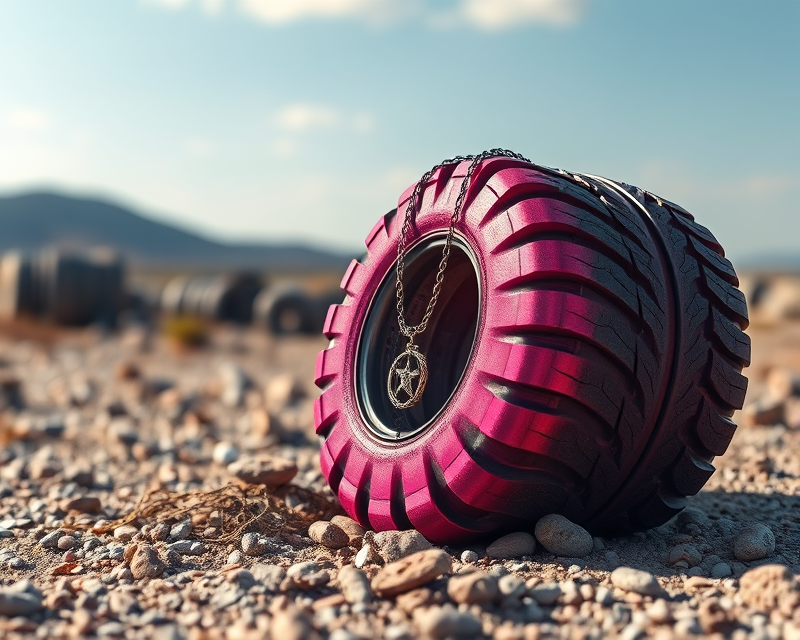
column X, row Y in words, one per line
column 34, row 220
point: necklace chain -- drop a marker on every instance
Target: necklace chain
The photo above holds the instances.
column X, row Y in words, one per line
column 412, row 209
column 407, row 373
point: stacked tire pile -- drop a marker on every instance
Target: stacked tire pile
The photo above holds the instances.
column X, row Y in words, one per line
column 61, row 287
column 219, row 298
column 243, row 299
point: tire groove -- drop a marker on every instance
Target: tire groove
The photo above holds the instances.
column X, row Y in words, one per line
column 535, row 399
column 579, row 285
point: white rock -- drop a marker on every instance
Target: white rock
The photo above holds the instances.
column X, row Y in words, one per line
column 469, row 557
column 225, row 453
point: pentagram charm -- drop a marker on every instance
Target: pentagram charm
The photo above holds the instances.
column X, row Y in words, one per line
column 408, row 376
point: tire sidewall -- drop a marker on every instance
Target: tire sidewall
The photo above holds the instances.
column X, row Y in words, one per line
column 380, row 265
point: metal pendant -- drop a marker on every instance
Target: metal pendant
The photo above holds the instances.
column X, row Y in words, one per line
column 408, row 376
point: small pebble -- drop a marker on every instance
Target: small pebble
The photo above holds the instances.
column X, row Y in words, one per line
column 511, row 586
column 50, row 541
column 66, row 542
column 546, row 593
column 447, row 622
column 328, row 535
column 188, row 547
column 635, row 580
column 354, row 585
column 355, row 532
column 145, row 562
column 469, row 557
column 125, row 532
column 252, row 545
column 685, row 553
column 181, row 531
column 224, row 453
column 364, row 556
column 476, row 587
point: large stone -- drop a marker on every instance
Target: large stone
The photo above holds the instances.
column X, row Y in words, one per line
column 768, row 587
column 393, row 545
column 411, row 572
column 512, row 545
column 563, row 537
column 268, row 470
column 20, row 599
column 754, row 543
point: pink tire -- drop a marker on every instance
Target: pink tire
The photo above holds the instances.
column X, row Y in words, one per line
column 585, row 359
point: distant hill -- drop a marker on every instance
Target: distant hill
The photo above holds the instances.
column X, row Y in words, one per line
column 774, row 261
column 36, row 220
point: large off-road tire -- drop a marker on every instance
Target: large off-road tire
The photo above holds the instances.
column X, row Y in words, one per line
column 585, row 358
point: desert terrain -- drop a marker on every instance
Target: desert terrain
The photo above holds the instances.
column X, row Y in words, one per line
column 144, row 494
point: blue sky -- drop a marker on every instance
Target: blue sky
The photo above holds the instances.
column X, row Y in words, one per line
column 305, row 119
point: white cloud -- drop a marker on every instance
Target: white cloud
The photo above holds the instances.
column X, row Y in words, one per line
column 169, row 4
column 285, row 11
column 488, row 15
column 495, row 15
column 27, row 120
column 304, row 117
column 212, row 7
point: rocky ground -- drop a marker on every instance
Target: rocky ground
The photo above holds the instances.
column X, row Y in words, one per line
column 143, row 494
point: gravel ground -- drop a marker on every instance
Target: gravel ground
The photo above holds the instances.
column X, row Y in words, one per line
column 143, row 493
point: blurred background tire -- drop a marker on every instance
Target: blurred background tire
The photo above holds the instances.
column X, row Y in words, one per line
column 287, row 311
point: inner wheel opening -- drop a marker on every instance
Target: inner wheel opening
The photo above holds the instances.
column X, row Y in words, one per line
column 446, row 344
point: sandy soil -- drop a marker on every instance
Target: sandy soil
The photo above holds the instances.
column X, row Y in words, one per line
column 90, row 423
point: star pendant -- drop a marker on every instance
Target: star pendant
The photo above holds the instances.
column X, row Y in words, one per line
column 406, row 376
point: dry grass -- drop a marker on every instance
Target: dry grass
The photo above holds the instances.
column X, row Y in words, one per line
column 223, row 515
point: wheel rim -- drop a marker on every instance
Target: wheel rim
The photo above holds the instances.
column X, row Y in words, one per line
column 447, row 343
